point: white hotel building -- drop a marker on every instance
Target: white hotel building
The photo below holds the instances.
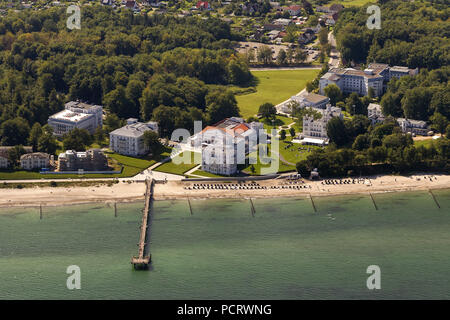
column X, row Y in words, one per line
column 129, row 140
column 225, row 144
column 375, row 76
column 76, row 115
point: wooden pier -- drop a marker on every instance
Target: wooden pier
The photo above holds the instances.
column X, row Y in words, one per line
column 373, row 201
column 143, row 260
column 252, row 208
column 434, row 198
column 312, row 203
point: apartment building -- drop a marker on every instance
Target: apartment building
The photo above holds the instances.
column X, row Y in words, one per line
column 90, row 160
column 129, row 140
column 76, row 114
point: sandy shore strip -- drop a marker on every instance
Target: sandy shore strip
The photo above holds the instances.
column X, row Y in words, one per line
column 127, row 192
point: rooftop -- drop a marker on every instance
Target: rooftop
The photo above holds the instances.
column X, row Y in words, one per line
column 132, row 130
column 70, row 116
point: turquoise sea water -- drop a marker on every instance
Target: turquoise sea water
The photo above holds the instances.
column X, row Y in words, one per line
column 286, row 251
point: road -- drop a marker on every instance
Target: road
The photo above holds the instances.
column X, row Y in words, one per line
column 335, row 55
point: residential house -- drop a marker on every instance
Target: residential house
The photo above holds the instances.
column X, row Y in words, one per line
column 37, row 160
column 203, row 5
column 413, row 126
column 129, row 140
column 91, row 160
column 293, row 10
column 76, row 115
column 374, row 113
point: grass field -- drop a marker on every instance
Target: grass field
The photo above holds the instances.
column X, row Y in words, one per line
column 352, row 3
column 274, row 86
column 180, row 169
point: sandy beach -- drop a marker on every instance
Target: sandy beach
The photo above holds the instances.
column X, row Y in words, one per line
column 126, row 192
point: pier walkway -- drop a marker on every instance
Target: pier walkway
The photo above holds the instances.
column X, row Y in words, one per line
column 144, row 258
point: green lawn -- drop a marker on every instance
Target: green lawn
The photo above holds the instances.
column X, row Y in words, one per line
column 354, row 3
column 180, row 169
column 279, row 121
column 131, row 166
column 274, row 86
column 206, row 174
column 426, row 143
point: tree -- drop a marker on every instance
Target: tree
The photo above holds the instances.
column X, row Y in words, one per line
column 264, row 55
column 337, row 131
column 354, row 105
column 439, row 122
column 300, row 56
column 361, row 142
column 447, row 132
column 391, row 104
column 333, row 92
column 77, row 139
column 47, row 142
column 151, row 140
column 415, row 103
column 220, row 105
column 112, row 122
column 397, row 140
column 292, row 132
column 14, row 155
column 35, row 134
column 283, row 134
column 323, row 36
column 99, row 135
column 282, row 57
column 267, row 111
column 14, row 132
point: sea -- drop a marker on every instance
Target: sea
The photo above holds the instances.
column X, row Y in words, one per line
column 288, row 248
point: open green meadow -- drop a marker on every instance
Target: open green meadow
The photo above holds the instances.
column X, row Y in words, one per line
column 274, row 86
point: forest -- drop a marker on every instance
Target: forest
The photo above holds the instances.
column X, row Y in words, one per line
column 134, row 65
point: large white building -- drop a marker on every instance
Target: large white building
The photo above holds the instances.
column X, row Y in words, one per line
column 305, row 100
column 375, row 76
column 225, row 144
column 76, row 115
column 129, row 140
column 315, row 130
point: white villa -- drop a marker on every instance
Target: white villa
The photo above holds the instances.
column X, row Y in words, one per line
column 375, row 76
column 374, row 113
column 129, row 140
column 307, row 100
column 76, row 115
column 36, row 160
column 413, row 126
column 315, row 131
column 225, row 144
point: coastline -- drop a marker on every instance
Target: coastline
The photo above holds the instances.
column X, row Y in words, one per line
column 173, row 190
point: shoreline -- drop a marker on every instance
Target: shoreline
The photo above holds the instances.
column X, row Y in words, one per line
column 175, row 190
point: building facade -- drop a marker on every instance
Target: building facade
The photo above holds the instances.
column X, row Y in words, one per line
column 76, row 115
column 413, row 126
column 374, row 113
column 317, row 128
column 129, row 140
column 375, row 76
column 37, row 160
column 226, row 144
column 91, row 160
column 3, row 162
